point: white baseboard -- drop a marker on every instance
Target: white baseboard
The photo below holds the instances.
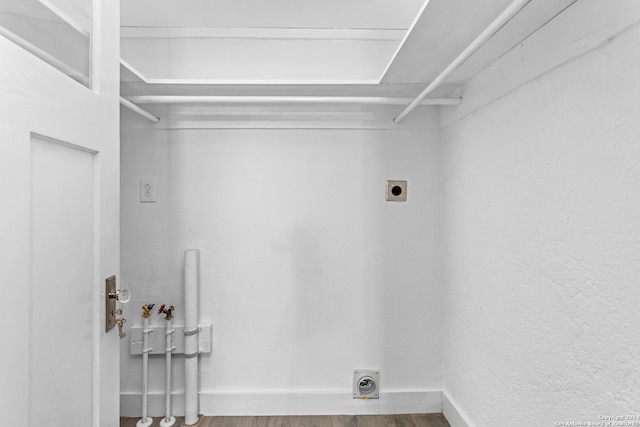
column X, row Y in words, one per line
column 452, row 412
column 289, row 403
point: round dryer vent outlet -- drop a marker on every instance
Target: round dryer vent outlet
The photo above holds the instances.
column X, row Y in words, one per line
column 366, row 384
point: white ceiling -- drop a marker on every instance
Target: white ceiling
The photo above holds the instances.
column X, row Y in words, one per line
column 341, row 14
column 446, row 27
column 197, row 46
column 257, row 41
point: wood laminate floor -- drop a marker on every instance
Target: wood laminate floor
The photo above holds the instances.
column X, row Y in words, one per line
column 409, row 420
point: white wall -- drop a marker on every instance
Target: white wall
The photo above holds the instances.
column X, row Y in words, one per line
column 541, row 228
column 306, row 271
column 36, row 98
column 539, row 245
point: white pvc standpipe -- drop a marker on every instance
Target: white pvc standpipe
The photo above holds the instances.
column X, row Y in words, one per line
column 191, row 350
column 168, row 420
column 145, row 421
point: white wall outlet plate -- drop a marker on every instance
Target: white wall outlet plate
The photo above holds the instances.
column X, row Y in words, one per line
column 147, row 190
column 366, row 384
column 396, row 191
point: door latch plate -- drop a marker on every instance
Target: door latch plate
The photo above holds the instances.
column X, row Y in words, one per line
column 110, row 308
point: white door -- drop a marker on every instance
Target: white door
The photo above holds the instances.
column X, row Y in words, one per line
column 59, row 233
column 63, row 329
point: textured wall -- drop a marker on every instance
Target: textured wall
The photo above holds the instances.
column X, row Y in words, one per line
column 306, row 271
column 541, row 216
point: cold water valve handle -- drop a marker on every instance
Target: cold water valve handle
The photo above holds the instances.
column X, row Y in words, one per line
column 146, row 310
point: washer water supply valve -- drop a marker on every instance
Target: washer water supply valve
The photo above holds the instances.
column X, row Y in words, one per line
column 146, row 309
column 167, row 311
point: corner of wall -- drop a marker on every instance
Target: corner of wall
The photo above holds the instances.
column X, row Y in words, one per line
column 453, row 413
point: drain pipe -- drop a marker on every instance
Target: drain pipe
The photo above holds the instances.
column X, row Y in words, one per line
column 482, row 38
column 168, row 420
column 145, row 421
column 191, row 350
